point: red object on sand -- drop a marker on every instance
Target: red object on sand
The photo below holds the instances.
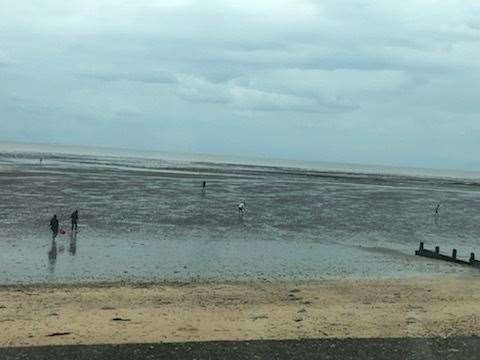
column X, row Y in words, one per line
column 62, row 231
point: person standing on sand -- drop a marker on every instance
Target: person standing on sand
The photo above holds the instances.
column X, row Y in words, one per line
column 437, row 208
column 74, row 218
column 204, row 185
column 54, row 226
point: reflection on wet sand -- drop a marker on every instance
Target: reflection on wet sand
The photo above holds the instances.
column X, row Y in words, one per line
column 73, row 243
column 52, row 256
column 55, row 250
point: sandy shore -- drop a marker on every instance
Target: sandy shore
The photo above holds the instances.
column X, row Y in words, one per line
column 101, row 314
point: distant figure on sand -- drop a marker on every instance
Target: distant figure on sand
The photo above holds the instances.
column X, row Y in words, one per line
column 204, row 185
column 41, row 160
column 74, row 218
column 54, row 226
column 241, row 207
column 437, row 208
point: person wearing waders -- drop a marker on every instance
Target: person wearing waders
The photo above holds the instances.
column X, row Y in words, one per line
column 54, row 226
column 74, row 218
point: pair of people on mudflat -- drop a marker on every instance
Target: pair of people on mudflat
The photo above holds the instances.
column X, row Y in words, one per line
column 54, row 225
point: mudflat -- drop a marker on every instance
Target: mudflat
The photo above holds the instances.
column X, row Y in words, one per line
column 118, row 313
column 150, row 220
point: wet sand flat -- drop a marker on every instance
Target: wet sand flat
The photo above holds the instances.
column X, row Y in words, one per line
column 116, row 313
column 148, row 221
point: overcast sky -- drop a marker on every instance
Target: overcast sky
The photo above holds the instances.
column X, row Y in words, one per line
column 376, row 82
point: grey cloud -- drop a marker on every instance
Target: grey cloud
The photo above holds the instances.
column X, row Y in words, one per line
column 192, row 88
column 149, row 78
column 195, row 89
column 250, row 99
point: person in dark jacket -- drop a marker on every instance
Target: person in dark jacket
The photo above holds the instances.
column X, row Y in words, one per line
column 74, row 218
column 54, row 226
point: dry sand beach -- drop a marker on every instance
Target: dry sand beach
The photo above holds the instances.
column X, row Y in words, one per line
column 116, row 313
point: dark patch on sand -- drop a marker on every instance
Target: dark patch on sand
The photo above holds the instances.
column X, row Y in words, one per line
column 59, row 333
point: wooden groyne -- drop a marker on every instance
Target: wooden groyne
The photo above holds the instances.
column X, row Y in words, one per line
column 453, row 258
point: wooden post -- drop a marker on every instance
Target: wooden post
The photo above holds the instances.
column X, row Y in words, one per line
column 421, row 246
column 437, row 250
column 454, row 253
column 472, row 257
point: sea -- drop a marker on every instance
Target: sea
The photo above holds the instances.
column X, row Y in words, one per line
column 145, row 217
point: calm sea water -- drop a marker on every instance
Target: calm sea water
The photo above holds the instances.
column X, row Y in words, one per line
column 144, row 216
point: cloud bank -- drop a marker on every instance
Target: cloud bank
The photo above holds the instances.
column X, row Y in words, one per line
column 358, row 81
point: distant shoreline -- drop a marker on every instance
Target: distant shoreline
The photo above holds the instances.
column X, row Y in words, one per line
column 314, row 165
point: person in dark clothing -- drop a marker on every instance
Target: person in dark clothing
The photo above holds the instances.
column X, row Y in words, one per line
column 437, row 208
column 204, row 185
column 74, row 218
column 54, row 226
